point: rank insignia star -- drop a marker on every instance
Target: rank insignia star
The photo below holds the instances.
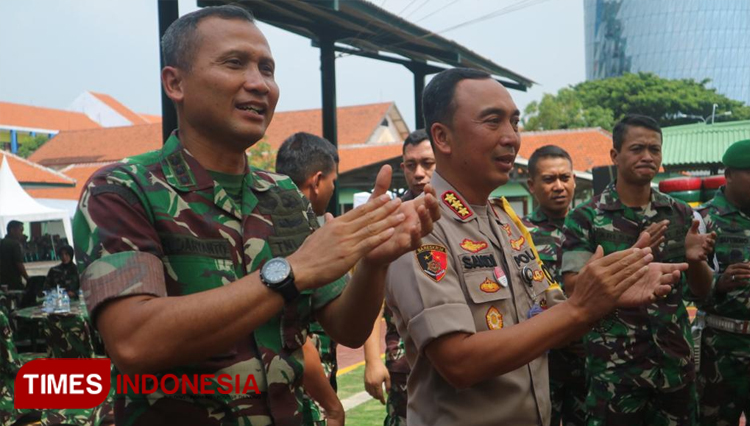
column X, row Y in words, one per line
column 454, row 202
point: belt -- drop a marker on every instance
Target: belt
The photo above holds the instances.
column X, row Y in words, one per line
column 728, row 324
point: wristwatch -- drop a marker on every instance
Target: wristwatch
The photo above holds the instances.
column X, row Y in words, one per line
column 277, row 275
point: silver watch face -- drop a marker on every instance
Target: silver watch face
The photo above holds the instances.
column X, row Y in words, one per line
column 275, row 271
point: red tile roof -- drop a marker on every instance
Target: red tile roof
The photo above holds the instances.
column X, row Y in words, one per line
column 355, row 123
column 151, row 118
column 98, row 145
column 27, row 172
column 120, row 108
column 351, row 158
column 587, row 147
column 81, row 174
column 18, row 115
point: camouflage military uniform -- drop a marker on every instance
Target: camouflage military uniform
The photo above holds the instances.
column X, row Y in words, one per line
column 313, row 413
column 567, row 381
column 639, row 363
column 158, row 224
column 724, row 377
column 398, row 368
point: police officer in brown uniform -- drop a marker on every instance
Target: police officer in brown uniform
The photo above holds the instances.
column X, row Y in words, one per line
column 476, row 308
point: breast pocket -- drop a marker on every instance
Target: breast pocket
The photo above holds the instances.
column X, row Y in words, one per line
column 491, row 301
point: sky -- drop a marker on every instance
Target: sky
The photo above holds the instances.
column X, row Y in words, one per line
column 53, row 50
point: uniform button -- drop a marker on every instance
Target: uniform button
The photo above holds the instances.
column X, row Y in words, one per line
column 184, row 180
column 180, row 170
column 175, row 160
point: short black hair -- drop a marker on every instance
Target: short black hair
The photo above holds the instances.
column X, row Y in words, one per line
column 66, row 249
column 632, row 120
column 304, row 154
column 179, row 42
column 415, row 138
column 13, row 224
column 438, row 105
column 547, row 151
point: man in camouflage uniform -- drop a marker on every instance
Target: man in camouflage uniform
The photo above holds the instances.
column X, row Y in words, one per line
column 170, row 243
column 552, row 182
column 724, row 377
column 475, row 306
column 639, row 362
column 310, row 161
column 418, row 164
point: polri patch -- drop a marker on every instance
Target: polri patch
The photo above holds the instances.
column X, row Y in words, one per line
column 473, row 246
column 457, row 205
column 433, row 260
column 494, row 319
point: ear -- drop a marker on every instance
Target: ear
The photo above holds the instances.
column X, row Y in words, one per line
column 441, row 137
column 172, row 80
column 315, row 182
column 613, row 155
column 530, row 183
column 573, row 176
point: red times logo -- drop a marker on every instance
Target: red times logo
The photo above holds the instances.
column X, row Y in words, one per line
column 85, row 383
column 62, row 383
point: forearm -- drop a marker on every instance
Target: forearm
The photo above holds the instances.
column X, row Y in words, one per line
column 372, row 344
column 466, row 359
column 349, row 318
column 145, row 334
column 315, row 381
column 699, row 277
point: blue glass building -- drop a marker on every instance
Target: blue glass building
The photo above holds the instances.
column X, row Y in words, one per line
column 695, row 39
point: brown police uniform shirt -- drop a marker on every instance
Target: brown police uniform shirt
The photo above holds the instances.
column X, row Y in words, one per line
column 477, row 271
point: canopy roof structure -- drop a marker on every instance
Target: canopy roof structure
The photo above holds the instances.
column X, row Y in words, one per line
column 16, row 204
column 700, row 146
column 356, row 27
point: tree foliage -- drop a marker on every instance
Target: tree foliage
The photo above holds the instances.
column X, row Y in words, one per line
column 262, row 156
column 28, row 147
column 600, row 103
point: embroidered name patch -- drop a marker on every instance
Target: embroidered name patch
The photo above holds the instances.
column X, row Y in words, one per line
column 433, row 260
column 473, row 246
column 454, row 202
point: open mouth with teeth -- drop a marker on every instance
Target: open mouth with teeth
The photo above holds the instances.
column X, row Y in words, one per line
column 256, row 110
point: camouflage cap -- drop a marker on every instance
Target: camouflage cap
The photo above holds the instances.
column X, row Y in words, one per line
column 738, row 155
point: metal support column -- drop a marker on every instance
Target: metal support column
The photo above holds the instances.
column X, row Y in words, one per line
column 328, row 85
column 419, row 76
column 168, row 13
column 14, row 141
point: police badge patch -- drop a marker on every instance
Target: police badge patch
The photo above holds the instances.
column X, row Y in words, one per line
column 433, row 260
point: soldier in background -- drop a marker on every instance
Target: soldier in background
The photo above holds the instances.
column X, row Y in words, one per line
column 724, row 377
column 552, row 182
column 194, row 263
column 418, row 164
column 311, row 162
column 639, row 362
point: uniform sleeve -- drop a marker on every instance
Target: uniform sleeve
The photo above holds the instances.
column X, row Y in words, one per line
column 117, row 248
column 326, row 294
column 430, row 306
column 17, row 254
column 578, row 245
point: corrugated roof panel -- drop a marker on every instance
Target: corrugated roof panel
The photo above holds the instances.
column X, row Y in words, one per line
column 701, row 143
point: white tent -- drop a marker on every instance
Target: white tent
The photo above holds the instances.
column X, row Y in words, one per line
column 16, row 204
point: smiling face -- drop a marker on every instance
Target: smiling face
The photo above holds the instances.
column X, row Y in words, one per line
column 553, row 185
column 483, row 136
column 639, row 158
column 229, row 94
